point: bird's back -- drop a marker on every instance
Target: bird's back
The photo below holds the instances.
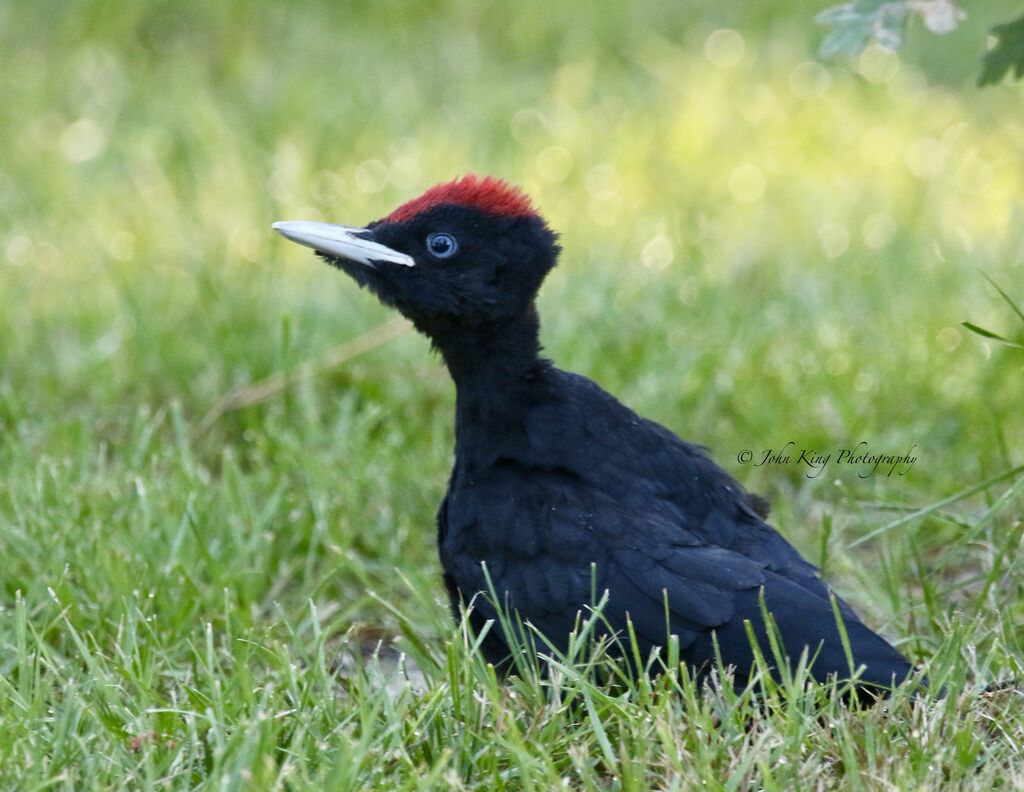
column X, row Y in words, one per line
column 579, row 495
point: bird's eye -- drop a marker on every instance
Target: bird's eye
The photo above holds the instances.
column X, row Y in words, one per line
column 442, row 245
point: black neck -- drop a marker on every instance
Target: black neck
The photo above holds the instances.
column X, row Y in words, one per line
column 494, row 365
column 495, row 353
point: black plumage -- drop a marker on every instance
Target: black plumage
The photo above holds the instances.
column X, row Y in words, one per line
column 558, row 488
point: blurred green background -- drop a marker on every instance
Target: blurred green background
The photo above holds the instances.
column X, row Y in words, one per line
column 758, row 247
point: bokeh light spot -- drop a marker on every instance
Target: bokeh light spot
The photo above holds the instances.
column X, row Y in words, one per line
column 688, row 289
column 974, row 176
column 949, row 338
column 724, row 48
column 527, row 124
column 863, row 382
column 759, row 104
column 18, row 249
column 658, row 253
column 926, row 158
column 747, row 183
column 880, row 145
column 838, row 364
column 604, row 208
column 834, row 239
column 371, row 176
column 809, row 81
column 878, row 230
column 878, row 65
column 405, row 172
column 554, row 164
column 82, row 140
column 122, row 245
column 603, row 178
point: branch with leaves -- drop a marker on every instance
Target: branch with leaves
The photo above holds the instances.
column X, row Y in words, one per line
column 857, row 24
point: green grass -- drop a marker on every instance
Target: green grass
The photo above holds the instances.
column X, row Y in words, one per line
column 754, row 253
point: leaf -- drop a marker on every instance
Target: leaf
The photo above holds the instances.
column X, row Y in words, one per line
column 1007, row 54
column 846, row 41
column 856, row 24
column 848, row 12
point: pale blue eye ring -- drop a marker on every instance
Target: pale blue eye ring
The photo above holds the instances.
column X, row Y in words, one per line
column 442, row 245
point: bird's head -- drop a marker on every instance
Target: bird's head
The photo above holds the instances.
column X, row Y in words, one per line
column 470, row 251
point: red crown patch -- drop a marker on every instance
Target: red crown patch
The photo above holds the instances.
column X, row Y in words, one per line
column 490, row 195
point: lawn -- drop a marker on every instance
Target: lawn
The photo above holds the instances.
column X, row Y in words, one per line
column 220, row 461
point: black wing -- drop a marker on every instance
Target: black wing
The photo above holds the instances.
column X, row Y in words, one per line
column 551, row 543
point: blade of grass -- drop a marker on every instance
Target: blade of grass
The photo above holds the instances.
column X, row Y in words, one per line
column 937, row 505
column 989, row 334
column 1013, row 306
column 269, row 387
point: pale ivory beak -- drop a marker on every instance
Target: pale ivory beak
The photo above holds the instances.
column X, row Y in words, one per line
column 342, row 241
